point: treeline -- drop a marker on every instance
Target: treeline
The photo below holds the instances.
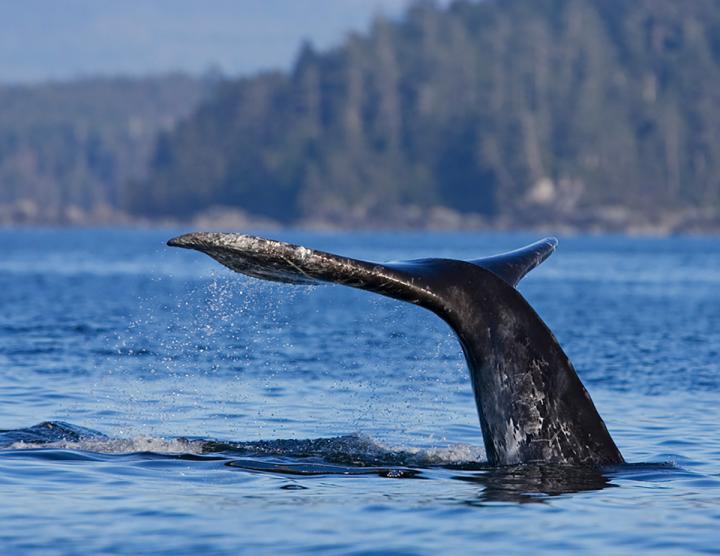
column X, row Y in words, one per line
column 588, row 113
column 68, row 149
column 522, row 110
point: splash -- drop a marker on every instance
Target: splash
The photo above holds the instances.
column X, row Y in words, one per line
column 118, row 446
column 356, row 449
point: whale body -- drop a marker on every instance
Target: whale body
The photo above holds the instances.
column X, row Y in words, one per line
column 532, row 406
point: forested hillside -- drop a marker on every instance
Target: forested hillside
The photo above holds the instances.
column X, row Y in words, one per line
column 68, row 149
column 521, row 112
column 593, row 114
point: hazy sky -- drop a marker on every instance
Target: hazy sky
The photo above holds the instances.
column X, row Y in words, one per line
column 59, row 39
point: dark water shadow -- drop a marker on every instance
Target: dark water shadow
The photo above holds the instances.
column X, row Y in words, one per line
column 533, row 483
column 538, row 483
column 314, row 469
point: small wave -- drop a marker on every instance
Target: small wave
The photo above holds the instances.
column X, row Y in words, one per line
column 118, row 446
column 66, row 436
column 355, row 449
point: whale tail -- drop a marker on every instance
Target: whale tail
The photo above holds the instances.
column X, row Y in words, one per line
column 531, row 403
column 293, row 264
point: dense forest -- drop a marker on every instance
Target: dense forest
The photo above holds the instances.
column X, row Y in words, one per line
column 519, row 111
column 68, row 150
column 514, row 113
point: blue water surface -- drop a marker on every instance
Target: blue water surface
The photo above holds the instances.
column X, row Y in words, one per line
column 154, row 402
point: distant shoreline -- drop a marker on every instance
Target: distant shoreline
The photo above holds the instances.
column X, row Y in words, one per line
column 604, row 220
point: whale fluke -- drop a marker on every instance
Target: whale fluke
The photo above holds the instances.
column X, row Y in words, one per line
column 514, row 265
column 531, row 404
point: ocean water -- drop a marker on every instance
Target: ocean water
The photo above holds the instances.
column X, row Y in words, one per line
column 153, row 402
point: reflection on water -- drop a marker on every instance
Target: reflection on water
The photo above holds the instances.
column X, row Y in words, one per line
column 315, row 469
column 532, row 483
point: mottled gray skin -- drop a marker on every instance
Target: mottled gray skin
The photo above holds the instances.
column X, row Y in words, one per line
column 531, row 403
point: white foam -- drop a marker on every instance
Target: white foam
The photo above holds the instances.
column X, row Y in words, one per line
column 119, row 445
column 457, row 453
column 446, row 455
